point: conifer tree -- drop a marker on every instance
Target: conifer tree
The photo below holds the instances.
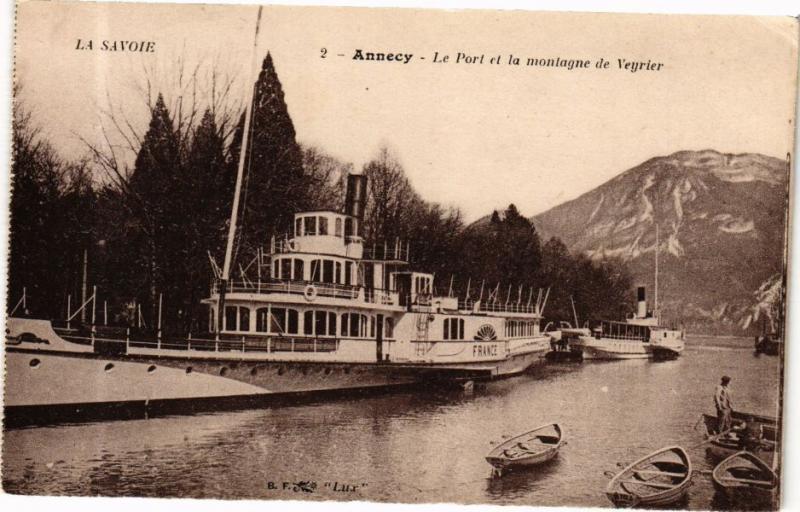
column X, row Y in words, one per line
column 207, row 182
column 155, row 192
column 274, row 185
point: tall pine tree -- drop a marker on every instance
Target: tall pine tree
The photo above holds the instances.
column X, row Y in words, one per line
column 207, row 180
column 274, row 187
column 154, row 192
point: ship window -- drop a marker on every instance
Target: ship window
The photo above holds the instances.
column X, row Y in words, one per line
column 298, row 226
column 230, row 318
column 298, row 270
column 244, row 319
column 275, row 274
column 453, row 329
column 332, row 323
column 353, row 325
column 338, row 227
column 278, row 321
column 327, row 271
column 286, row 268
column 323, row 225
column 292, row 321
column 348, row 272
column 316, row 267
column 310, row 225
column 320, row 323
column 262, row 319
column 337, row 278
column 371, row 326
column 348, row 227
column 388, row 327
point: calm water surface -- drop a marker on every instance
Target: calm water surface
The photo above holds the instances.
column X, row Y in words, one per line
column 408, row 447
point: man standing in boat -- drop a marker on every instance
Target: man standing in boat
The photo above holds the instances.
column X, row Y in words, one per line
column 722, row 400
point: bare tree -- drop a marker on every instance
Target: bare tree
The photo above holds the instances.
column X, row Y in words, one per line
column 325, row 178
column 390, row 197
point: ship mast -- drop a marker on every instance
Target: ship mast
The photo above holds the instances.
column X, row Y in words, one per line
column 226, row 268
column 655, row 295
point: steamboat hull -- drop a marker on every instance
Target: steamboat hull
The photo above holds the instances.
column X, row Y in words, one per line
column 606, row 348
column 51, row 386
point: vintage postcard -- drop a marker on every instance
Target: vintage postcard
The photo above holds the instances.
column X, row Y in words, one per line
column 398, row 255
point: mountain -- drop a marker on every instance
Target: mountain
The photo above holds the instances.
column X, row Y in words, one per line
column 721, row 234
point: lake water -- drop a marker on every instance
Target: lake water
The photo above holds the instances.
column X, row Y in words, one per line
column 420, row 447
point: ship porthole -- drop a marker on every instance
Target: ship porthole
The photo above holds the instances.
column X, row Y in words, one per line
column 328, row 371
column 34, row 363
column 223, row 371
column 109, row 367
column 151, row 368
column 281, row 370
column 188, row 370
column 254, row 372
column 347, row 371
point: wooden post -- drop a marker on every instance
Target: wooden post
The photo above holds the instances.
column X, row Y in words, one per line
column 158, row 332
column 69, row 309
column 258, row 268
column 94, row 308
column 83, row 287
column 105, row 312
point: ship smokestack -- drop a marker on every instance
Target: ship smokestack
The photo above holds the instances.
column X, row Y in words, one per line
column 641, row 310
column 355, row 196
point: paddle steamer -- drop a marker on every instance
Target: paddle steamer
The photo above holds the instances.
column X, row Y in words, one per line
column 324, row 313
column 639, row 337
column 315, row 314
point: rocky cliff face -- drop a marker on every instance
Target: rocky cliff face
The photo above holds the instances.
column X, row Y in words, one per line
column 721, row 234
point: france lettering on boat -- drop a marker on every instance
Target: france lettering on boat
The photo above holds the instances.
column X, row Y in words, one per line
column 353, row 254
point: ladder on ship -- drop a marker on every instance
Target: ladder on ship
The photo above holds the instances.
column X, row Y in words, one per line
column 423, row 327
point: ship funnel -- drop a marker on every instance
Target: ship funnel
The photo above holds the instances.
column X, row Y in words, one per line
column 641, row 310
column 355, row 197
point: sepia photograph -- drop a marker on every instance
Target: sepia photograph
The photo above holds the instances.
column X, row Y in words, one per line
column 398, row 255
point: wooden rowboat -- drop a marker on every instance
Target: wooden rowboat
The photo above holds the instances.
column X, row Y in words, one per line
column 745, row 479
column 539, row 445
column 723, row 446
column 660, row 478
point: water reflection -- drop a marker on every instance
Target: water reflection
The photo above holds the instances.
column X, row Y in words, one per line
column 411, row 447
column 516, row 484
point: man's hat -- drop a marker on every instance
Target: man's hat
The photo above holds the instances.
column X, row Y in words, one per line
column 725, row 379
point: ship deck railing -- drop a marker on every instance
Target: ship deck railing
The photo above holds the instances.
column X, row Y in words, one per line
column 330, row 290
column 396, row 252
column 621, row 337
column 226, row 343
column 495, row 307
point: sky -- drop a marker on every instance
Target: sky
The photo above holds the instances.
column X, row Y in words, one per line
column 473, row 136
